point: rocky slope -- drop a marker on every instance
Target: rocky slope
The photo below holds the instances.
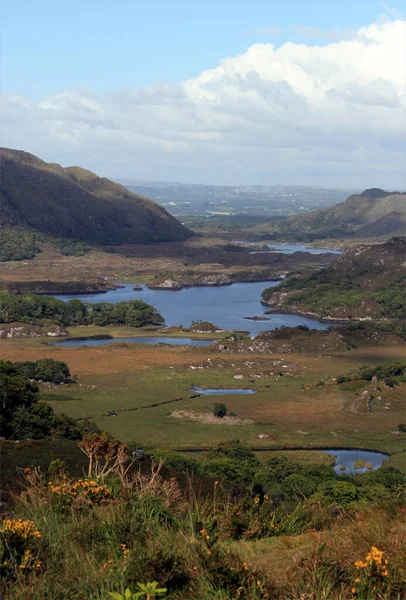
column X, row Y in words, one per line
column 77, row 204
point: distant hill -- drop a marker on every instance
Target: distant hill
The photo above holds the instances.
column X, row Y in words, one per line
column 77, row 204
column 372, row 214
column 365, row 282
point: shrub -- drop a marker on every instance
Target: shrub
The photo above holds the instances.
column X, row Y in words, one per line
column 220, row 410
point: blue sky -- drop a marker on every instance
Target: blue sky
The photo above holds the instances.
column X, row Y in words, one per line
column 105, row 45
column 209, row 91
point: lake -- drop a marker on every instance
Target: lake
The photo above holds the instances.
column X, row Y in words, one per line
column 225, row 306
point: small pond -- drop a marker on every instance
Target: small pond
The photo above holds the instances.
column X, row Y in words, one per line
column 100, row 341
column 221, row 392
column 347, row 458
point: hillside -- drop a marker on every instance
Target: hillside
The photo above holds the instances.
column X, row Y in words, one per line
column 76, row 204
column 372, row 214
column 365, row 282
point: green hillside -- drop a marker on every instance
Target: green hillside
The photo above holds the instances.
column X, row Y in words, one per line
column 76, row 204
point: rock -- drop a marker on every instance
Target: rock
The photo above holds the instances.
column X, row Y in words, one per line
column 55, row 331
column 20, row 330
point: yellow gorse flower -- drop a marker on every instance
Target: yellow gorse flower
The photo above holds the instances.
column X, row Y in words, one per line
column 374, row 563
column 85, row 488
column 20, row 528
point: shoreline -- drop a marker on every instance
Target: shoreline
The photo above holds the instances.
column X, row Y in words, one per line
column 325, row 319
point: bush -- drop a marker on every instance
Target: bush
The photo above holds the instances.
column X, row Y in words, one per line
column 220, row 410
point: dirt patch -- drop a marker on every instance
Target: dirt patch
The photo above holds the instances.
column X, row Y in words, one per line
column 209, row 419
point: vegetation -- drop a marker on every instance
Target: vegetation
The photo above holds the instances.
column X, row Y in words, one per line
column 45, row 369
column 22, row 414
column 31, row 308
column 69, row 247
column 17, row 244
column 220, row 410
column 121, row 533
column 354, row 285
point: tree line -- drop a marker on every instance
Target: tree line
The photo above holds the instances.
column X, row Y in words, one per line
column 33, row 308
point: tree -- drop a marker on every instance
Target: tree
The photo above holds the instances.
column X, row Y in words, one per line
column 220, row 410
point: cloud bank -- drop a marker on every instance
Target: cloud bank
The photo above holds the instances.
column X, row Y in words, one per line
column 333, row 114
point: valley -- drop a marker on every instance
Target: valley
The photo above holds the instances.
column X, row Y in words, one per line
column 230, row 365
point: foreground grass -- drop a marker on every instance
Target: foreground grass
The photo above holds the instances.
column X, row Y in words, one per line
column 88, row 544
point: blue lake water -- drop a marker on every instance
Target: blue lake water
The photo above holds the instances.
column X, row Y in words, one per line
column 134, row 340
column 225, row 306
column 347, row 458
column 292, row 248
column 221, row 392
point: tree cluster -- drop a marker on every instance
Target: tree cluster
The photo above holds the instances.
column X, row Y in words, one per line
column 22, row 414
column 33, row 308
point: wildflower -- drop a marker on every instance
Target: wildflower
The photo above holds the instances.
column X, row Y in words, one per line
column 125, row 552
column 216, row 483
column 195, row 568
column 209, row 552
column 258, row 582
column 359, row 564
column 353, row 590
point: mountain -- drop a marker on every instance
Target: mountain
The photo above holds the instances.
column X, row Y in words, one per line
column 77, row 204
column 366, row 282
column 372, row 214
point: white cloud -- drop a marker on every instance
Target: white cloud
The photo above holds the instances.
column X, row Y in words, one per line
column 324, row 34
column 332, row 114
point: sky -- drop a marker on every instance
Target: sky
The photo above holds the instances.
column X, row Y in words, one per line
column 305, row 92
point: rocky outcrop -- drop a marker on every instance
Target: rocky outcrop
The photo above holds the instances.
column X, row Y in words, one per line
column 25, row 330
column 204, row 327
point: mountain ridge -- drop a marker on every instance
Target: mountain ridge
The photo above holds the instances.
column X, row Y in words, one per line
column 75, row 203
column 372, row 213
